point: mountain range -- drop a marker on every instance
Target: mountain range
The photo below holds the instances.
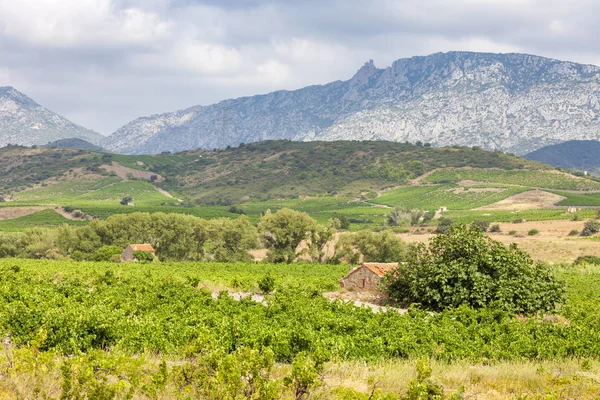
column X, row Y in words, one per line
column 24, row 122
column 512, row 102
column 574, row 154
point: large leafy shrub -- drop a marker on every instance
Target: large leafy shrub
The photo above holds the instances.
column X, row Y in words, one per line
column 464, row 266
column 590, row 228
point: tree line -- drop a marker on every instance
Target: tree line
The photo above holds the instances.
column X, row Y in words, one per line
column 288, row 236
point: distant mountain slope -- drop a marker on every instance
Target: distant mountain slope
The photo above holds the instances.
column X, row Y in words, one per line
column 74, row 143
column 513, row 102
column 24, row 122
column 575, row 154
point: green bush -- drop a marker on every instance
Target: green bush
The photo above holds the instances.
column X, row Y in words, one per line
column 574, row 232
column 518, row 221
column 266, row 284
column 512, row 232
column 106, row 253
column 483, row 225
column 464, row 266
column 495, row 228
column 587, row 260
column 143, row 256
column 590, row 228
column 444, row 224
column 533, row 232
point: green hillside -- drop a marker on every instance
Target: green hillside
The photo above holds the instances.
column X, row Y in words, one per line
column 357, row 180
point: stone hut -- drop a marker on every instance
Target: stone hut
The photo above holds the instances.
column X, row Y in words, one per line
column 366, row 277
column 127, row 254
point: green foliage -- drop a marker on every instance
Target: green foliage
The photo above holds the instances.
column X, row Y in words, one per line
column 369, row 246
column 398, row 217
column 40, row 219
column 424, row 387
column 495, row 228
column 573, row 232
column 529, row 178
column 126, row 200
column 452, row 196
column 153, row 309
column 283, row 231
column 266, row 284
column 464, row 266
column 483, row 225
column 533, row 232
column 444, row 224
column 306, row 373
column 587, row 260
column 590, row 228
column 143, row 256
column 106, row 253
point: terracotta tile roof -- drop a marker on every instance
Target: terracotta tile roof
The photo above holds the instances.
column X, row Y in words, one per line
column 142, row 247
column 380, row 269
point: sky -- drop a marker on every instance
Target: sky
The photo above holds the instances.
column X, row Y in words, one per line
column 103, row 63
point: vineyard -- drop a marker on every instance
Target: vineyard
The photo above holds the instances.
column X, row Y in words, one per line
column 579, row 199
column 103, row 314
column 40, row 219
column 451, row 196
column 528, row 178
column 468, row 216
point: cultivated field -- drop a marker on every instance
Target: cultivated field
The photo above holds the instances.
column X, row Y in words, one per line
column 163, row 331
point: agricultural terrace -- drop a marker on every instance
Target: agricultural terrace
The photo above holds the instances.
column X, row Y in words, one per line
column 528, row 178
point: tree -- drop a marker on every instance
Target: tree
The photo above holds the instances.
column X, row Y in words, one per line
column 398, row 217
column 229, row 240
column 126, row 200
column 370, row 246
column 590, row 228
column 483, row 225
column 444, row 224
column 143, row 256
column 106, row 253
column 320, row 235
column 283, row 231
column 464, row 266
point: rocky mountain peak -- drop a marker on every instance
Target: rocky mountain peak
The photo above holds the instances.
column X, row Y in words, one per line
column 12, row 94
column 365, row 72
column 513, row 102
column 25, row 122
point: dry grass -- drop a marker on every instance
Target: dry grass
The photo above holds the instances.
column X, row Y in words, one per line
column 567, row 379
column 570, row 379
column 552, row 244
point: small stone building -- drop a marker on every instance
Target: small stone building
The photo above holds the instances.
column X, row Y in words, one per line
column 366, row 277
column 127, row 254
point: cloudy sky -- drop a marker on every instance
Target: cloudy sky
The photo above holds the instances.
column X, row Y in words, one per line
column 102, row 63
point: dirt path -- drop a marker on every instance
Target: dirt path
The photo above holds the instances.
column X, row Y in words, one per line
column 164, row 192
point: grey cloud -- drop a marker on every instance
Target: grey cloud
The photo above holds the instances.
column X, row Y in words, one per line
column 170, row 54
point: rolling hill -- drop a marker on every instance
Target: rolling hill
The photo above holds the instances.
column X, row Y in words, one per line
column 574, row 154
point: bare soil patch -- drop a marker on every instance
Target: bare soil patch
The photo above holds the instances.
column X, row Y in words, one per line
column 533, row 199
column 123, row 172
